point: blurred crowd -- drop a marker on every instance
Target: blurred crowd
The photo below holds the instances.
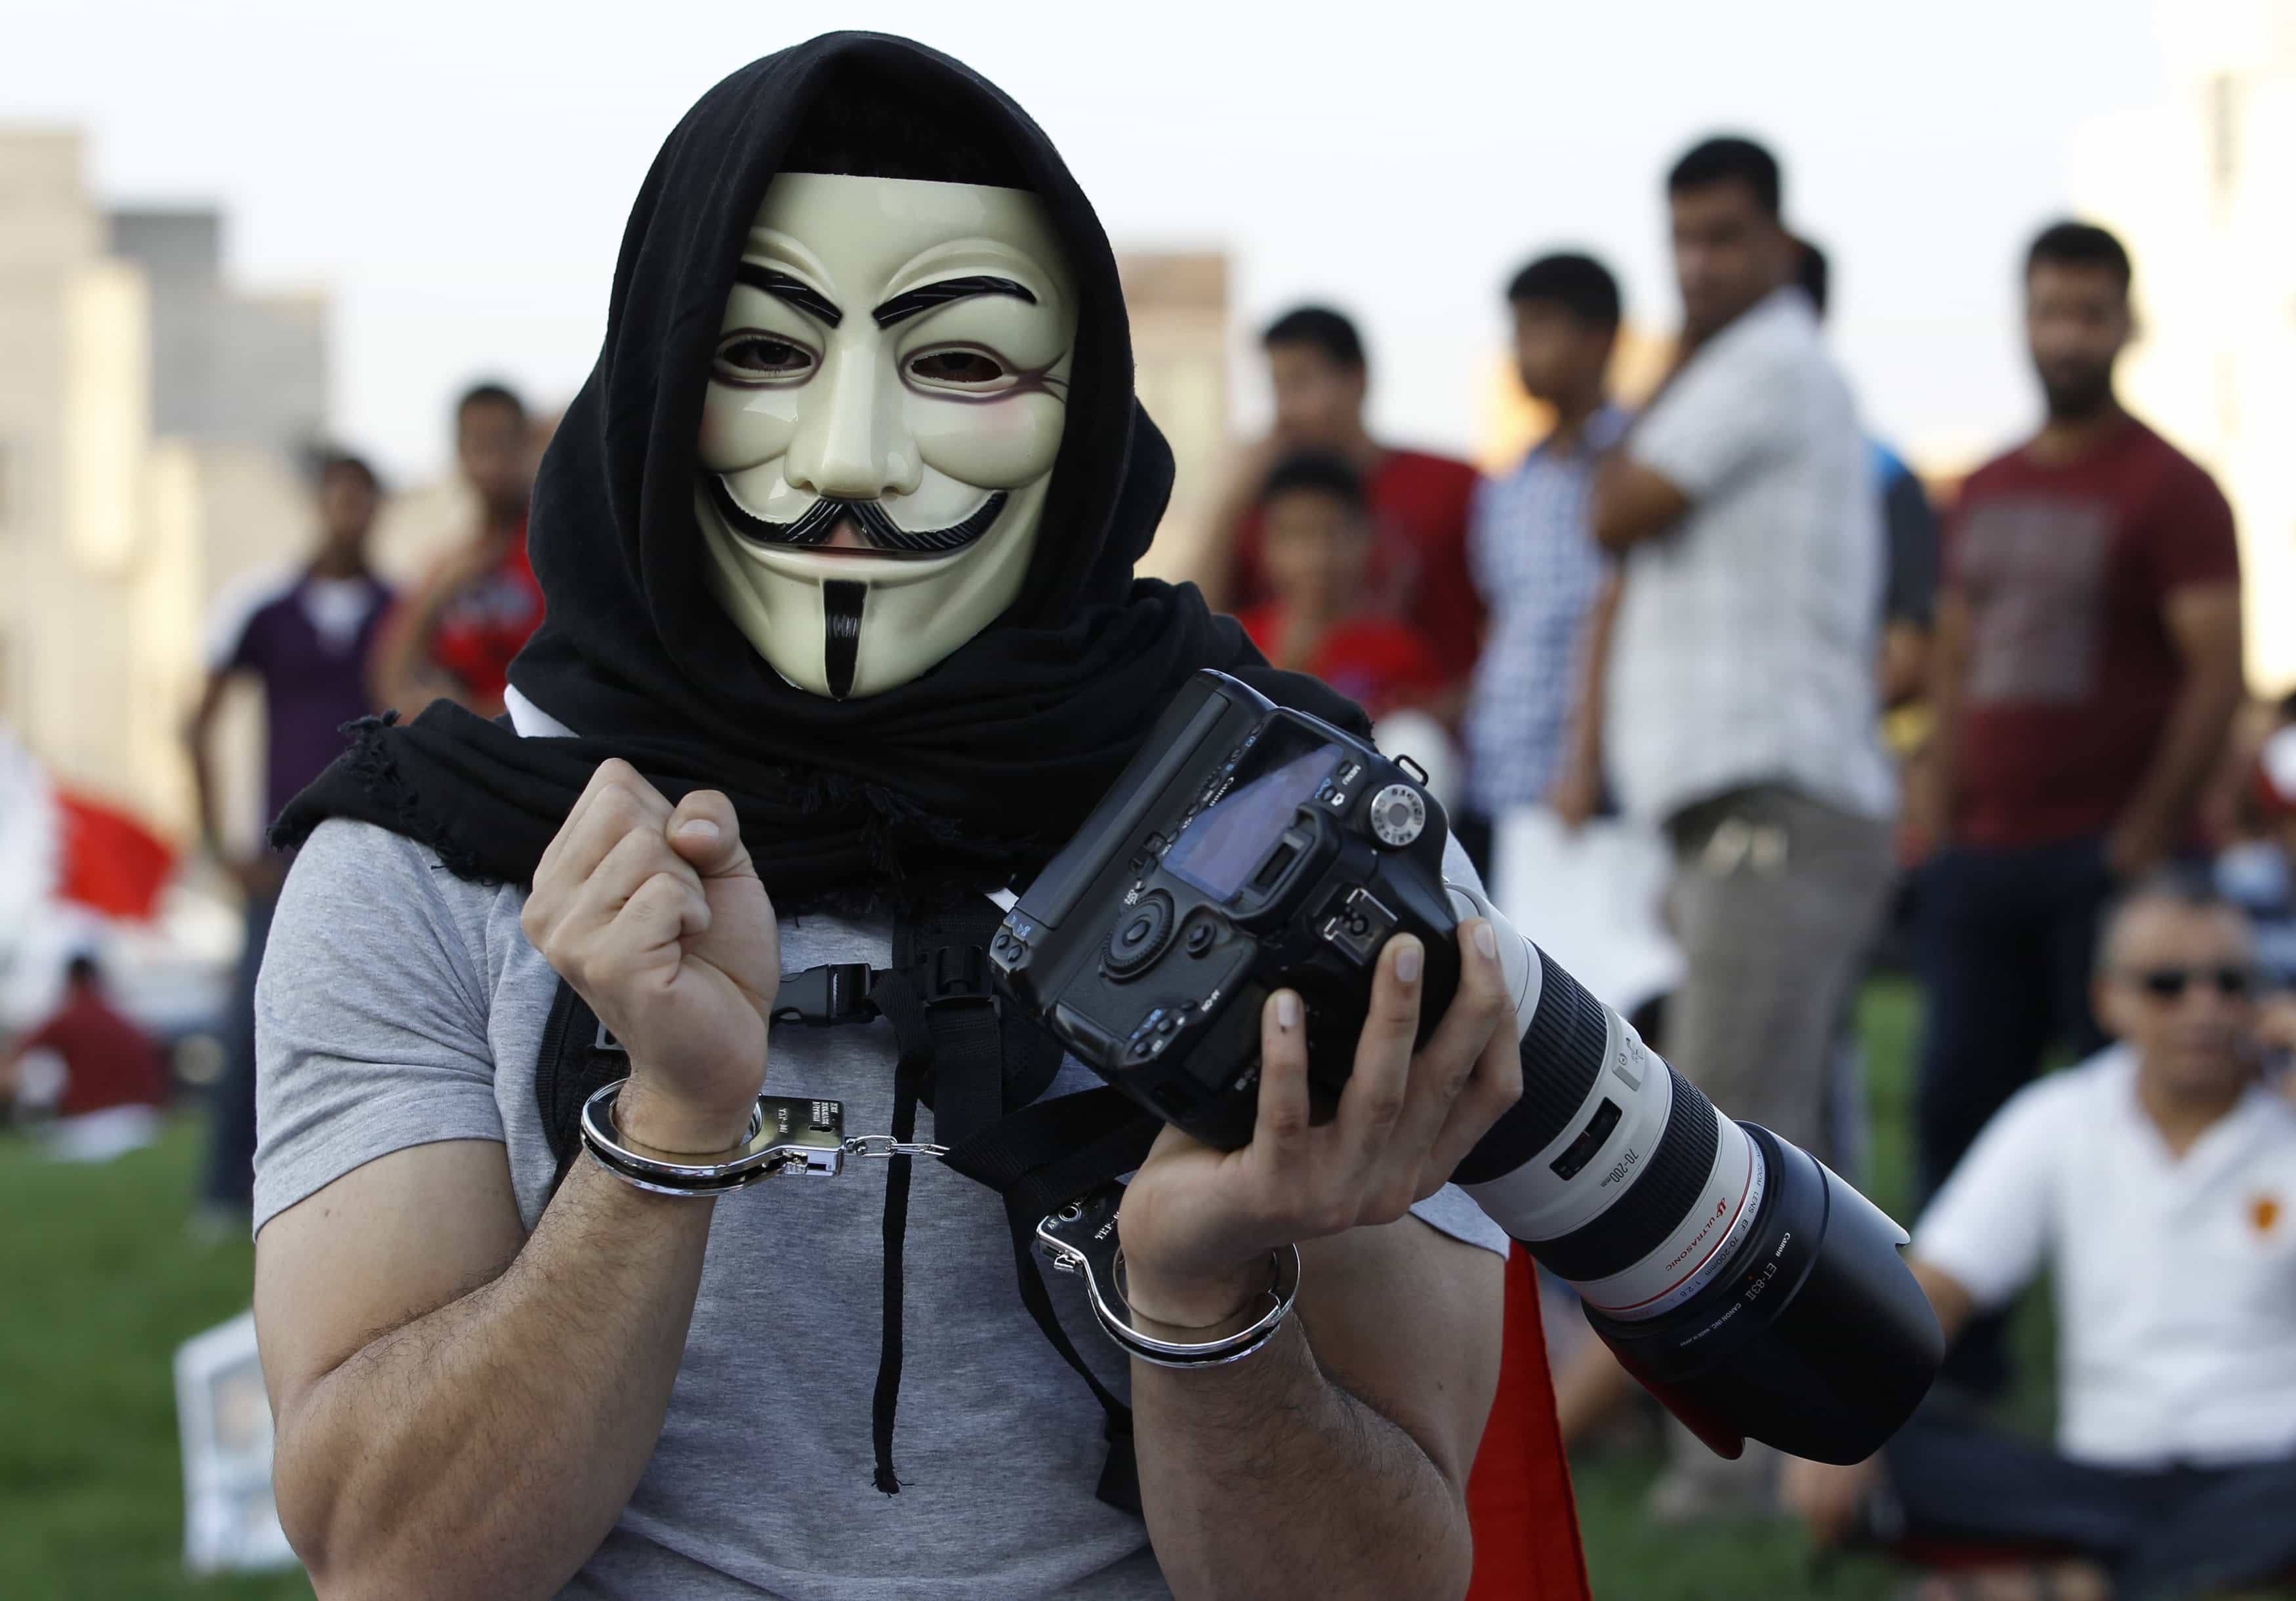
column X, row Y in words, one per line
column 1995, row 730
column 1997, row 727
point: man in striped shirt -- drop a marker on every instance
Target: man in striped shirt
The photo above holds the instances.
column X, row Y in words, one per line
column 1544, row 581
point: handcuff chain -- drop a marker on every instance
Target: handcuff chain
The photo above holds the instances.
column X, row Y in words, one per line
column 885, row 1144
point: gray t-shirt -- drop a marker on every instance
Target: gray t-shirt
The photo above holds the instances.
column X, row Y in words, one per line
column 401, row 1005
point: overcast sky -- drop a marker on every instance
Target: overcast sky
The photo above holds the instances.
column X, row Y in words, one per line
column 457, row 171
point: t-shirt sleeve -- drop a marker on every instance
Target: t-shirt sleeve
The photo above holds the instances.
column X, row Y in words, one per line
column 2191, row 532
column 1911, row 525
column 233, row 643
column 1724, row 411
column 370, row 1031
column 1450, row 610
column 1990, row 1226
column 1480, row 565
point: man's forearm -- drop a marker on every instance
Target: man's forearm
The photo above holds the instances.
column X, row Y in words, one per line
column 2190, row 746
column 1593, row 674
column 485, row 1449
column 1264, row 1479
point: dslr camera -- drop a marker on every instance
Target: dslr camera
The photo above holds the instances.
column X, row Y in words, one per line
column 1250, row 847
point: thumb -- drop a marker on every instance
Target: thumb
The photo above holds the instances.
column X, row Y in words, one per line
column 705, row 833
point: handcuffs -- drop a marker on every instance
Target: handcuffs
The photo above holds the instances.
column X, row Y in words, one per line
column 800, row 1137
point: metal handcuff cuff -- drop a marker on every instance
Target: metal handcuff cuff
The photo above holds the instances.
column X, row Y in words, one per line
column 790, row 1135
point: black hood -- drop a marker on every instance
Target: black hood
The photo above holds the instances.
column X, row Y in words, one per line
column 995, row 754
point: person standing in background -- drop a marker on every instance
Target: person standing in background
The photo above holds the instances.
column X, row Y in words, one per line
column 1319, row 543
column 303, row 638
column 1738, row 699
column 1418, row 573
column 1545, row 583
column 2087, row 668
column 455, row 636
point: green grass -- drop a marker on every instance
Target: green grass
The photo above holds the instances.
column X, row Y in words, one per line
column 98, row 1283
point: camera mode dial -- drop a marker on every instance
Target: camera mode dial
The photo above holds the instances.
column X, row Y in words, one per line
column 1397, row 814
column 1141, row 931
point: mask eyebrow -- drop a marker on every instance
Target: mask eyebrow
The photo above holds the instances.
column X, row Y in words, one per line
column 909, row 303
column 796, row 293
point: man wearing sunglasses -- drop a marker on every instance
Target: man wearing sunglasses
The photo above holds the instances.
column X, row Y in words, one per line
column 2158, row 1180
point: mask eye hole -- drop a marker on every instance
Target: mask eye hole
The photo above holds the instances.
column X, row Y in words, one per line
column 751, row 357
column 961, row 367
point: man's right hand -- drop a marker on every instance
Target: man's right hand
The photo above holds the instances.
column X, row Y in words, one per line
column 656, row 916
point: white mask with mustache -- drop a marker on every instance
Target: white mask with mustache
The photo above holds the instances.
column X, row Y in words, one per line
column 883, row 413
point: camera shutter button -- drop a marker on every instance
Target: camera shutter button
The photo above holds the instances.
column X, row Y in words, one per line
column 1140, row 935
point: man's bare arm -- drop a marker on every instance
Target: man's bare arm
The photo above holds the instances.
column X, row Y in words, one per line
column 1332, row 1463
column 1631, row 503
column 2203, row 623
column 1578, row 790
column 462, row 1412
column 197, row 731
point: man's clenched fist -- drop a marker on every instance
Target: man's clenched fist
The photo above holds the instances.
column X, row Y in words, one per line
column 655, row 916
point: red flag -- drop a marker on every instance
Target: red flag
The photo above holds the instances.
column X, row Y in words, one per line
column 111, row 862
column 1519, row 1500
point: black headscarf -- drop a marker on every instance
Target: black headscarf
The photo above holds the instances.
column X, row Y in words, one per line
column 982, row 766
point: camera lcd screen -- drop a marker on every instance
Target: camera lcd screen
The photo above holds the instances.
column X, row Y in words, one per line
column 1218, row 851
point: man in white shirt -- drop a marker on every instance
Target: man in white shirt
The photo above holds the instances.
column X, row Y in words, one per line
column 1738, row 698
column 2158, row 1178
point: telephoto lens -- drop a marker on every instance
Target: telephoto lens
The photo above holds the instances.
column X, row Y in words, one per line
column 1735, row 1276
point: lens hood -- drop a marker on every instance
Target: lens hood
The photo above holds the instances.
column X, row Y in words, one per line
column 1817, row 1340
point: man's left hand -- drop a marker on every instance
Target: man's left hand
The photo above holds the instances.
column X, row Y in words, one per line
column 1197, row 1224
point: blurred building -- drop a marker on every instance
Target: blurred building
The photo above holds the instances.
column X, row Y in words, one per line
column 152, row 423
column 2198, row 188
column 1177, row 301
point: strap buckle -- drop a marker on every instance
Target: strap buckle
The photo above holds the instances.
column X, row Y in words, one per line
column 955, row 973
column 825, row 996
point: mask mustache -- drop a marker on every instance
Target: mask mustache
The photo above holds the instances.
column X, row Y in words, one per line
column 879, row 532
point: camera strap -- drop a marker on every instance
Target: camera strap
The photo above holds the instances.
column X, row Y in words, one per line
column 981, row 1067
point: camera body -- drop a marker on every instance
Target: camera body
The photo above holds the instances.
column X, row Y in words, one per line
column 1755, row 1292
column 1252, row 845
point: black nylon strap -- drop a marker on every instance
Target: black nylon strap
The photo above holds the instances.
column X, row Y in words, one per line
column 886, row 1400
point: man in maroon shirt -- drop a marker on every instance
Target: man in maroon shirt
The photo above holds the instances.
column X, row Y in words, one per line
column 1418, row 502
column 2087, row 670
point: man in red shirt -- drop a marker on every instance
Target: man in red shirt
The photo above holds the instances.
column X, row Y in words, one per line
column 1418, row 572
column 455, row 636
column 2087, row 670
column 107, row 1060
column 1317, row 543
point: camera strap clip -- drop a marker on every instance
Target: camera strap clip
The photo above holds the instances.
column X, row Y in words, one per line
column 824, row 997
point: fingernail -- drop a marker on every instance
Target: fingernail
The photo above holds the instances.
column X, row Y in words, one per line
column 1486, row 940
column 697, row 828
column 1287, row 1011
column 1406, row 962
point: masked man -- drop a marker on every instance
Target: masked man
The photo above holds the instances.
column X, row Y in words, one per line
column 841, row 639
